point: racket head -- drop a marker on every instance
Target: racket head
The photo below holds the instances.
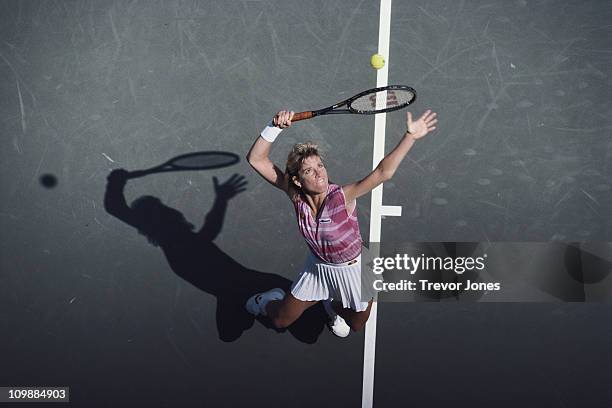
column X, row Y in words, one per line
column 375, row 101
column 207, row 160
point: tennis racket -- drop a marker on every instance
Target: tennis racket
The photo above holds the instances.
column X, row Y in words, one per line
column 192, row 161
column 376, row 100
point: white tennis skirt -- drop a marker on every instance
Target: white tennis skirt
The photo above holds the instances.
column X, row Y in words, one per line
column 323, row 281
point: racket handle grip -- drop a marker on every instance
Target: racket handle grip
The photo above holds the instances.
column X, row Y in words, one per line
column 302, row 116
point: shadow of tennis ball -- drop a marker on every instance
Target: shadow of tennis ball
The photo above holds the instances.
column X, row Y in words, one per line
column 48, row 180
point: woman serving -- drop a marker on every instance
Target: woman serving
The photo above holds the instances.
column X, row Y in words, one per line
column 327, row 218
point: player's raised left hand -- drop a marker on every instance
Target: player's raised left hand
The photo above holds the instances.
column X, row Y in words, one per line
column 425, row 124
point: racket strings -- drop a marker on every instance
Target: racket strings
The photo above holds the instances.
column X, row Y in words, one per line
column 376, row 101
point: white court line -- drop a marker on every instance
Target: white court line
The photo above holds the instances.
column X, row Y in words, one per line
column 376, row 207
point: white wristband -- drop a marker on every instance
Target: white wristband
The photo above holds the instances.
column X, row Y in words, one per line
column 270, row 133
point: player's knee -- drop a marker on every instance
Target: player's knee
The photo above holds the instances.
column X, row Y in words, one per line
column 359, row 321
column 357, row 325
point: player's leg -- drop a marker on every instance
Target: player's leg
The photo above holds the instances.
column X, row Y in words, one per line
column 282, row 309
column 356, row 320
column 286, row 311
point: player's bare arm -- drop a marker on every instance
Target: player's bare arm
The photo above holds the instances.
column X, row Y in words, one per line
column 386, row 168
column 258, row 156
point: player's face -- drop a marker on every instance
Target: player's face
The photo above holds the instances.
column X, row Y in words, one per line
column 313, row 175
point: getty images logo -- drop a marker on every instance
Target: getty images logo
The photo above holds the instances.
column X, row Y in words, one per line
column 412, row 264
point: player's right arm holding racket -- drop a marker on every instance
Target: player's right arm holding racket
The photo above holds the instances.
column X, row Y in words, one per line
column 258, row 156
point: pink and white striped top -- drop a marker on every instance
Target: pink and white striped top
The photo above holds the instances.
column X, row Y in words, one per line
column 334, row 235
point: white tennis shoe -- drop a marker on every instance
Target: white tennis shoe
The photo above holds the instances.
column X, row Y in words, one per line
column 256, row 305
column 336, row 324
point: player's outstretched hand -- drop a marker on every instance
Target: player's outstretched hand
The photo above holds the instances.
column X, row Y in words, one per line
column 422, row 126
column 283, row 119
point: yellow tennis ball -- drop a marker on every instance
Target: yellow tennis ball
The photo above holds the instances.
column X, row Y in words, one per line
column 377, row 61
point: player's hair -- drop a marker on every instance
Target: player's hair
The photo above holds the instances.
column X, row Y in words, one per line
column 299, row 153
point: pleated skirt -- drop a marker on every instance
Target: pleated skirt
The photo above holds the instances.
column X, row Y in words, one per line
column 323, row 281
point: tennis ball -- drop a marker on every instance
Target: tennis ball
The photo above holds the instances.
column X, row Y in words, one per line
column 377, row 61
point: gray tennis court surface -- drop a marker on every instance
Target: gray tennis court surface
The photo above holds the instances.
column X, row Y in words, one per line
column 89, row 300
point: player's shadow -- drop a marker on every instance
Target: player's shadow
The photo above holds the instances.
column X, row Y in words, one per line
column 194, row 256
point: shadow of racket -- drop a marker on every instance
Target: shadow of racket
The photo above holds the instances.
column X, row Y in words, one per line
column 192, row 161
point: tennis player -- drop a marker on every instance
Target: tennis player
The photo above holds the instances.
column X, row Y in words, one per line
column 327, row 218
